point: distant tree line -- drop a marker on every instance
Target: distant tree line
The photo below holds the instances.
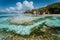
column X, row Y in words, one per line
column 50, row 9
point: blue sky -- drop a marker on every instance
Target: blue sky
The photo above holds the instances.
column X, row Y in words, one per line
column 36, row 3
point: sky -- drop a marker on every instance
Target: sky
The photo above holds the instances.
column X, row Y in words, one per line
column 19, row 5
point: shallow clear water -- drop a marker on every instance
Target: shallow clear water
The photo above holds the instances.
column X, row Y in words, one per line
column 25, row 29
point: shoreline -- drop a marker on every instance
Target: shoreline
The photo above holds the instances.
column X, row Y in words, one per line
column 51, row 15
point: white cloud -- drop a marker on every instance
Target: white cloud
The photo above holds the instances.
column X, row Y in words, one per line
column 19, row 5
column 31, row 3
column 26, row 5
column 7, row 9
column 12, row 8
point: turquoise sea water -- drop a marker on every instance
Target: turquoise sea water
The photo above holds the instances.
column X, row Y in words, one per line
column 25, row 28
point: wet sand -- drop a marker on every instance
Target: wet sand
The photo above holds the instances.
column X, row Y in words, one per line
column 51, row 15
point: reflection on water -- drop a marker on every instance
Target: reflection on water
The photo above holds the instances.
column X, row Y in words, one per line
column 22, row 24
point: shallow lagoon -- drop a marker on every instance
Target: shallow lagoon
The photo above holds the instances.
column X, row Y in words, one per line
column 16, row 25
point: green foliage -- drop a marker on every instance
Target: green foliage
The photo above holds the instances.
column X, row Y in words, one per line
column 49, row 9
column 54, row 5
